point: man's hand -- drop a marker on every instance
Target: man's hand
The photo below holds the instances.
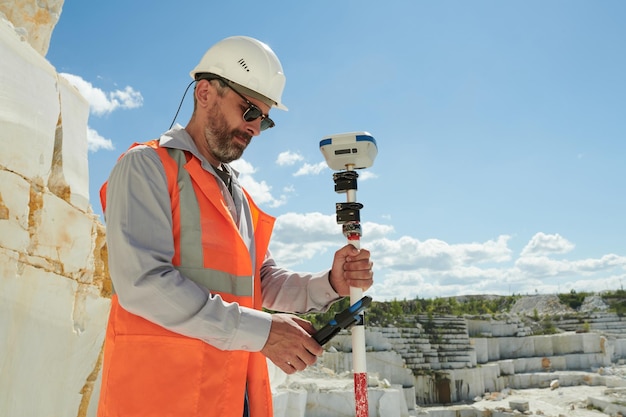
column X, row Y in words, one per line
column 290, row 345
column 351, row 268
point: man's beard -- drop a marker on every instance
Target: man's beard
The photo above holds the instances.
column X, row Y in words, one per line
column 221, row 140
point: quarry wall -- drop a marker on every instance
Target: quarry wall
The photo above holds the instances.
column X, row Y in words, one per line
column 53, row 287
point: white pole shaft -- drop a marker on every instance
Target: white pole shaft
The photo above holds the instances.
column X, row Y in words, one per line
column 358, row 334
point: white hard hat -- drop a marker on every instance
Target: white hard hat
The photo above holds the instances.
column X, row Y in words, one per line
column 247, row 62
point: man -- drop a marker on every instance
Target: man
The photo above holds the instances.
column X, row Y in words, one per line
column 189, row 259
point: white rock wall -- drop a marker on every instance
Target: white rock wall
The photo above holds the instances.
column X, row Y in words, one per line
column 32, row 20
column 53, row 287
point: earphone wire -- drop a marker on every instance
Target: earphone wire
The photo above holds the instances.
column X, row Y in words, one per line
column 181, row 104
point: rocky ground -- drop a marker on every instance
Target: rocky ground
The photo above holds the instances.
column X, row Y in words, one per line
column 576, row 401
column 543, row 304
column 563, row 401
column 554, row 401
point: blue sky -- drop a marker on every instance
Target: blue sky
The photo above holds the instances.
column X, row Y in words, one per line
column 501, row 128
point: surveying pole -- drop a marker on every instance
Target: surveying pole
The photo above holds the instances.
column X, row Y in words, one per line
column 345, row 153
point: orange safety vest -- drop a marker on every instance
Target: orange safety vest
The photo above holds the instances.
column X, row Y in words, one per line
column 151, row 371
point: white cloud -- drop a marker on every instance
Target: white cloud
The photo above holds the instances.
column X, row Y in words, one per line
column 543, row 266
column 288, row 158
column 260, row 191
column 310, row 227
column 544, row 244
column 407, row 253
column 127, row 98
column 101, row 102
column 321, row 227
column 407, row 267
column 366, row 175
column 316, row 169
column 243, row 167
column 296, row 253
column 490, row 251
column 310, row 169
column 96, row 142
column 373, row 231
column 300, row 237
column 605, row 262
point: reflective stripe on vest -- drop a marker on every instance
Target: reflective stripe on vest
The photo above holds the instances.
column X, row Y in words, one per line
column 191, row 263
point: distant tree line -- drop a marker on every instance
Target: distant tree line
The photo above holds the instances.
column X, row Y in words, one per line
column 396, row 312
column 616, row 301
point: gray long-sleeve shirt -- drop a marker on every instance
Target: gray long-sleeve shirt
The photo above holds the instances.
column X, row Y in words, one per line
column 141, row 247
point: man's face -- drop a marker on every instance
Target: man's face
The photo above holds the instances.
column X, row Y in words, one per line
column 224, row 142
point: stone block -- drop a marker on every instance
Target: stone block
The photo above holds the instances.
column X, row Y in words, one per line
column 382, row 402
column 63, row 234
column 501, row 413
column 507, row 367
column 9, row 268
column 52, row 337
column 472, row 359
column 516, row 347
column 387, row 365
column 29, row 109
column 34, row 20
column 453, row 411
column 521, row 406
column 619, row 348
column 14, row 209
column 70, row 163
column 481, row 349
column 525, row 365
column 591, row 342
column 608, row 406
column 490, row 374
column 587, row 361
column 376, row 340
column 466, row 383
column 543, row 345
column 530, row 380
column 392, row 402
column 290, row 403
column 500, row 329
column 409, row 397
column 478, row 328
column 558, row 363
column 567, row 343
column 493, row 349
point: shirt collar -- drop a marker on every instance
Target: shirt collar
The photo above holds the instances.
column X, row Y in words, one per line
column 178, row 138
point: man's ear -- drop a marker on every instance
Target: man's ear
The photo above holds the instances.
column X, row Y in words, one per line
column 204, row 92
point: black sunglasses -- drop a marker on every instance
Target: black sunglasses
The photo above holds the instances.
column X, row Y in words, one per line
column 252, row 112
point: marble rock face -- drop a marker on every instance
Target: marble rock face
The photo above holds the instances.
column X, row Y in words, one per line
column 54, row 290
column 33, row 20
